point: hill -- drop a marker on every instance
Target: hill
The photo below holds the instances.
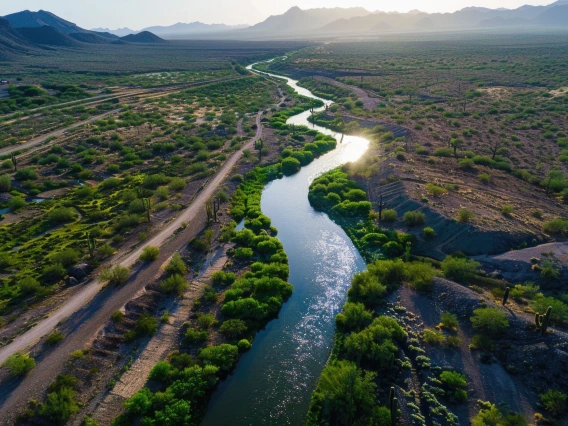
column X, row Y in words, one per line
column 48, row 36
column 11, row 41
column 143, row 37
column 120, row 32
column 554, row 16
column 298, row 21
column 27, row 19
column 92, row 38
column 181, row 29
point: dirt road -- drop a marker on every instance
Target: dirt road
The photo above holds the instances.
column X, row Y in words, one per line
column 368, row 102
column 89, row 310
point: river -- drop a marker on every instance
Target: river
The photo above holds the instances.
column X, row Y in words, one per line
column 273, row 382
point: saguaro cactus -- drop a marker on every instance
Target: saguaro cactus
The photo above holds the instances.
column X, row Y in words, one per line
column 259, row 144
column 15, row 162
column 393, row 406
column 542, row 321
column 506, row 296
column 91, row 244
column 216, row 207
column 381, row 206
column 147, row 202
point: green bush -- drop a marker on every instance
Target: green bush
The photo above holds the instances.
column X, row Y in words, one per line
column 429, row 233
column 433, row 337
column 554, row 402
column 484, row 178
column 449, row 321
column 17, row 203
column 146, row 325
column 389, row 215
column 161, row 372
column 414, row 218
column 354, row 316
column 67, row 257
column 117, row 316
column 223, row 356
column 176, row 266
column 233, row 328
column 62, row 215
column 492, row 416
column 244, row 345
column 454, row 383
column 556, row 227
column 492, row 321
column 149, row 254
column 54, row 338
column 53, row 273
column 435, row 191
column 29, row 286
column 459, row 269
column 290, row 166
column 116, row 275
column 223, row 278
column 465, row 216
column 19, row 364
column 5, row 183
column 174, row 284
column 28, row 173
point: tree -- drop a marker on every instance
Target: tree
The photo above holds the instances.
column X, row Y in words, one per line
column 554, row 401
column 354, row 317
column 290, row 166
column 233, row 328
column 60, row 405
column 5, row 183
column 456, row 143
column 174, row 284
column 223, row 356
column 492, row 321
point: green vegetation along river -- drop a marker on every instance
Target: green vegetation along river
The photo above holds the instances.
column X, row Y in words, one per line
column 272, row 383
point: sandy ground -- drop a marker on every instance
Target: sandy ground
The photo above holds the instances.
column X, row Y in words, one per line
column 368, row 102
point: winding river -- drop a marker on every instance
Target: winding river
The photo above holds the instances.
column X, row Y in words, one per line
column 273, row 382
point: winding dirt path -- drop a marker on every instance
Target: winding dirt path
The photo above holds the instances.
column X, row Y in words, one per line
column 368, row 102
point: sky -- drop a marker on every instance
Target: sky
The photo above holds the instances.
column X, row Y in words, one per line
column 137, row 14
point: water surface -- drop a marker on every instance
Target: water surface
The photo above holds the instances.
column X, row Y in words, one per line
column 273, row 382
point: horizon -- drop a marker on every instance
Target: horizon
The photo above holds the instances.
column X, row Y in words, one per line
column 106, row 14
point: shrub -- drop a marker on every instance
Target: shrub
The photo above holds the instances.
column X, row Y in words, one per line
column 27, row 173
column 223, row 356
column 176, row 266
column 244, row 345
column 19, row 364
column 116, row 275
column 205, row 321
column 17, row 203
column 60, row 405
column 193, row 335
column 78, row 354
column 435, row 191
column 161, row 372
column 491, row 416
column 389, row 215
column 554, row 402
column 67, row 257
column 507, row 210
column 5, row 183
column 559, row 308
column 454, row 383
column 492, row 321
column 54, row 338
column 29, row 286
column 62, row 215
column 117, row 316
column 414, row 218
column 429, row 233
column 146, row 325
column 233, row 328
column 174, row 284
column 354, row 316
column 481, row 342
column 149, row 254
column 420, row 275
column 290, row 166
column 449, row 321
column 177, row 184
column 223, row 278
column 465, row 216
column 53, row 273
column 433, row 337
column 484, row 178
column 556, row 227
column 459, row 269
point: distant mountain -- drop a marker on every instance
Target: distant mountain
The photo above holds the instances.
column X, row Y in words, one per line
column 98, row 38
column 143, row 37
column 298, row 21
column 119, row 32
column 48, row 36
column 11, row 41
column 27, row 19
column 180, row 29
column 557, row 16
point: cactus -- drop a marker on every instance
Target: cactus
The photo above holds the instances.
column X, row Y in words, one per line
column 542, row 321
column 342, row 136
column 91, row 244
column 259, row 144
column 381, row 206
column 209, row 210
column 147, row 202
column 393, row 406
column 506, row 296
column 15, row 162
column 216, row 207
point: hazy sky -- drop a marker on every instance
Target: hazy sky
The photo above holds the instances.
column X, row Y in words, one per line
column 137, row 14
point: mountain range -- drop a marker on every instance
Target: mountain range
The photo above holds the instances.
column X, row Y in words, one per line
column 22, row 31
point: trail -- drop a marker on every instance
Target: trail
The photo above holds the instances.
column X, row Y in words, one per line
column 92, row 307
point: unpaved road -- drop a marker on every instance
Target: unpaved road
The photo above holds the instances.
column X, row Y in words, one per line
column 90, row 309
column 60, row 132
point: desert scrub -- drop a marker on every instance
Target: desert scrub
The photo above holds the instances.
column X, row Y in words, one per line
column 19, row 364
column 465, row 216
column 149, row 254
